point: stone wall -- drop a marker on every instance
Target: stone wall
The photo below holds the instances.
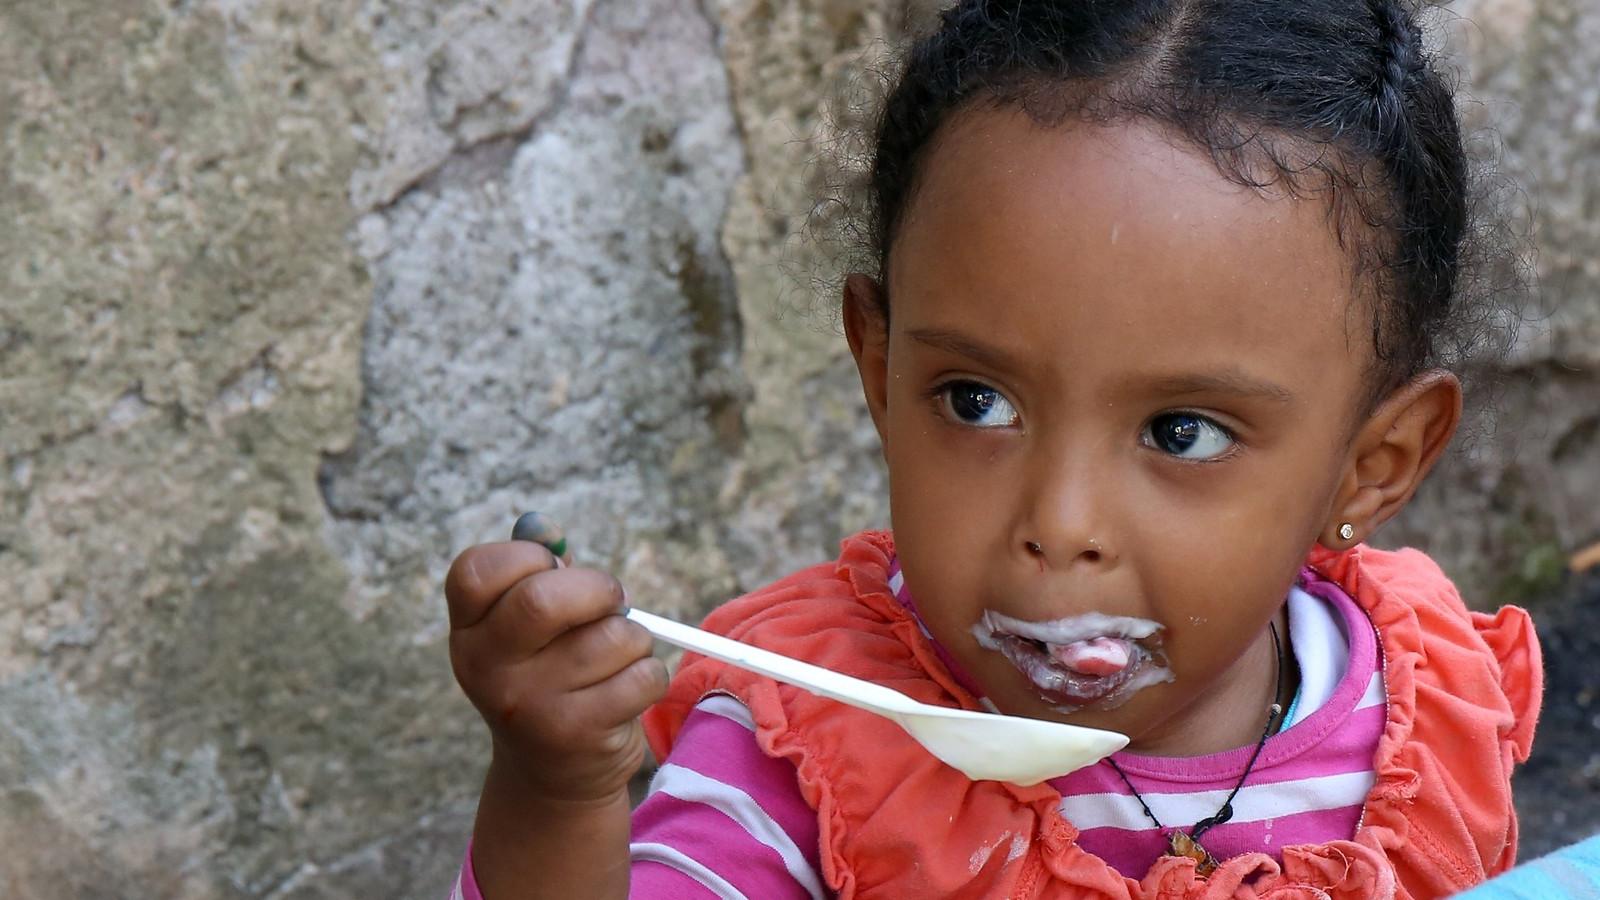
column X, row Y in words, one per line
column 1525, row 490
column 300, row 297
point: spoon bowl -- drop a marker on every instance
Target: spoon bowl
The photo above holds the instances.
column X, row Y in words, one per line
column 983, row 746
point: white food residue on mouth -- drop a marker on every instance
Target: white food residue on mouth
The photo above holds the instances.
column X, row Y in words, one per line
column 1088, row 660
column 1070, row 629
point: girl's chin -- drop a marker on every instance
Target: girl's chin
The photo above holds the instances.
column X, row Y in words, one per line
column 1135, row 717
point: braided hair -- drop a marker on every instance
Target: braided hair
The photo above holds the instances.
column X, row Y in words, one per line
column 1333, row 98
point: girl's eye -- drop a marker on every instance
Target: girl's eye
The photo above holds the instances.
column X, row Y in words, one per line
column 978, row 405
column 1188, row 436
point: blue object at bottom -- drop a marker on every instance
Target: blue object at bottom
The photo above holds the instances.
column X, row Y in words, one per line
column 1572, row 871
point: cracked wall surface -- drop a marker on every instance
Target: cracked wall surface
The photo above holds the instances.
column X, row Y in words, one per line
column 300, row 297
column 1523, row 489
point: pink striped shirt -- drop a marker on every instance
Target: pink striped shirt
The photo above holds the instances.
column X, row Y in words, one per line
column 723, row 820
column 1308, row 785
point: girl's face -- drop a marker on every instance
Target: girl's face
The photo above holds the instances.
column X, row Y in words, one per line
column 1112, row 382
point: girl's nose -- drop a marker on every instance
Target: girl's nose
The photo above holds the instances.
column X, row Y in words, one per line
column 1088, row 550
column 1068, row 523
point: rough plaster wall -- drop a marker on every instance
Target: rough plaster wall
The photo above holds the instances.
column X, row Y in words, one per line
column 299, row 298
column 553, row 327
column 182, row 315
column 1505, row 510
column 812, row 471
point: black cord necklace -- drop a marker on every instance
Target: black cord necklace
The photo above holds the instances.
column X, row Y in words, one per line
column 1181, row 843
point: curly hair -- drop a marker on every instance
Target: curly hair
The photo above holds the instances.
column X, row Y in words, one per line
column 1338, row 99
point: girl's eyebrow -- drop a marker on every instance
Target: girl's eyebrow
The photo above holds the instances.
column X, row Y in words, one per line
column 1225, row 381
column 962, row 345
column 1230, row 381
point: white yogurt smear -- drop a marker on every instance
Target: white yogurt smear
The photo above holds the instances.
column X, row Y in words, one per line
column 1064, row 688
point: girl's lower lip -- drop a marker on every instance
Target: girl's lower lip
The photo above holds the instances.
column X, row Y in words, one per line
column 1069, row 691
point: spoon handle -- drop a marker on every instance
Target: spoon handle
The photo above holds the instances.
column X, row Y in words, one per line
column 823, row 682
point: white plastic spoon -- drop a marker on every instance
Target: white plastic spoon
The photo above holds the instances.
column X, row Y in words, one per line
column 981, row 745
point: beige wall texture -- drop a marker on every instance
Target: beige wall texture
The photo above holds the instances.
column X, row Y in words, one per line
column 298, row 298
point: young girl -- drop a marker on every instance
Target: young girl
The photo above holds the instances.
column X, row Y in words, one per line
column 1151, row 352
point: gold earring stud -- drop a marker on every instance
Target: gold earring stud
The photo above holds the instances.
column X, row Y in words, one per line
column 1347, row 531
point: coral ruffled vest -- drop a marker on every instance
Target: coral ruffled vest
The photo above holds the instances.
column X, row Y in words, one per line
column 1463, row 696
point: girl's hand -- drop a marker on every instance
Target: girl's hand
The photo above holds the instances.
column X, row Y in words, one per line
column 558, row 674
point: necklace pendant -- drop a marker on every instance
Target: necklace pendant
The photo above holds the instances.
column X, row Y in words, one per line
column 1179, row 843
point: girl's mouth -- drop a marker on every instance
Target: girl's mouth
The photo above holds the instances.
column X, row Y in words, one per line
column 1079, row 662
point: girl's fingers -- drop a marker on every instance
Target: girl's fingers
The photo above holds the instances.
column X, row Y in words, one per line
column 624, row 696
column 481, row 574
column 535, row 611
column 521, row 700
column 589, row 654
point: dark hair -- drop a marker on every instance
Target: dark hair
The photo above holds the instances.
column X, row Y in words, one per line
column 1336, row 98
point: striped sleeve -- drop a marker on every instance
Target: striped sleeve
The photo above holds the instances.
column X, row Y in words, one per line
column 723, row 820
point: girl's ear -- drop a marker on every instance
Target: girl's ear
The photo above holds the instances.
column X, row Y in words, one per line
column 866, row 328
column 1392, row 452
